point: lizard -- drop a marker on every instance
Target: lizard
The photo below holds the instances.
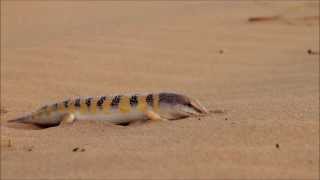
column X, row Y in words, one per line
column 117, row 109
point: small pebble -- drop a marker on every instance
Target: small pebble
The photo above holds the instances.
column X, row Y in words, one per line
column 221, row 51
column 277, row 146
column 78, row 149
column 29, row 148
column 309, row 51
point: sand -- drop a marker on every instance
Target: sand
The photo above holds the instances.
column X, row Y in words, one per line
column 257, row 77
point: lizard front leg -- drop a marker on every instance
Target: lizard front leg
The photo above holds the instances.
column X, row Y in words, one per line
column 154, row 116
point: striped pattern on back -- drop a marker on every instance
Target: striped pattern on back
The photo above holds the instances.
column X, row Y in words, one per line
column 105, row 104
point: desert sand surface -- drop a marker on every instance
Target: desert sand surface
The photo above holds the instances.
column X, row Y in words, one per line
column 259, row 77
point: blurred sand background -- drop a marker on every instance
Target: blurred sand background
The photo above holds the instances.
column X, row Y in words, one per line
column 256, row 76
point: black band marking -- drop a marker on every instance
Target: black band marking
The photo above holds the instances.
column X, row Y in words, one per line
column 88, row 101
column 77, row 102
column 100, row 101
column 134, row 100
column 149, row 100
column 115, row 101
column 66, row 103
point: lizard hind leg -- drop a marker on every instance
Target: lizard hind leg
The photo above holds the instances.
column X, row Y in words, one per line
column 67, row 119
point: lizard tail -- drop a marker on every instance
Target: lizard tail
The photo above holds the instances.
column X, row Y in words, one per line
column 24, row 119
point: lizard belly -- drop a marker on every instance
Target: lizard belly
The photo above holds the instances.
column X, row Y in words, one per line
column 113, row 117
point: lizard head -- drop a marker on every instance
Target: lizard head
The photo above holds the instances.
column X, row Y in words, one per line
column 176, row 106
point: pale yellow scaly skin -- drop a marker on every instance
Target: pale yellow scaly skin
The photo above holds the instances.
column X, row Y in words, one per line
column 116, row 109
